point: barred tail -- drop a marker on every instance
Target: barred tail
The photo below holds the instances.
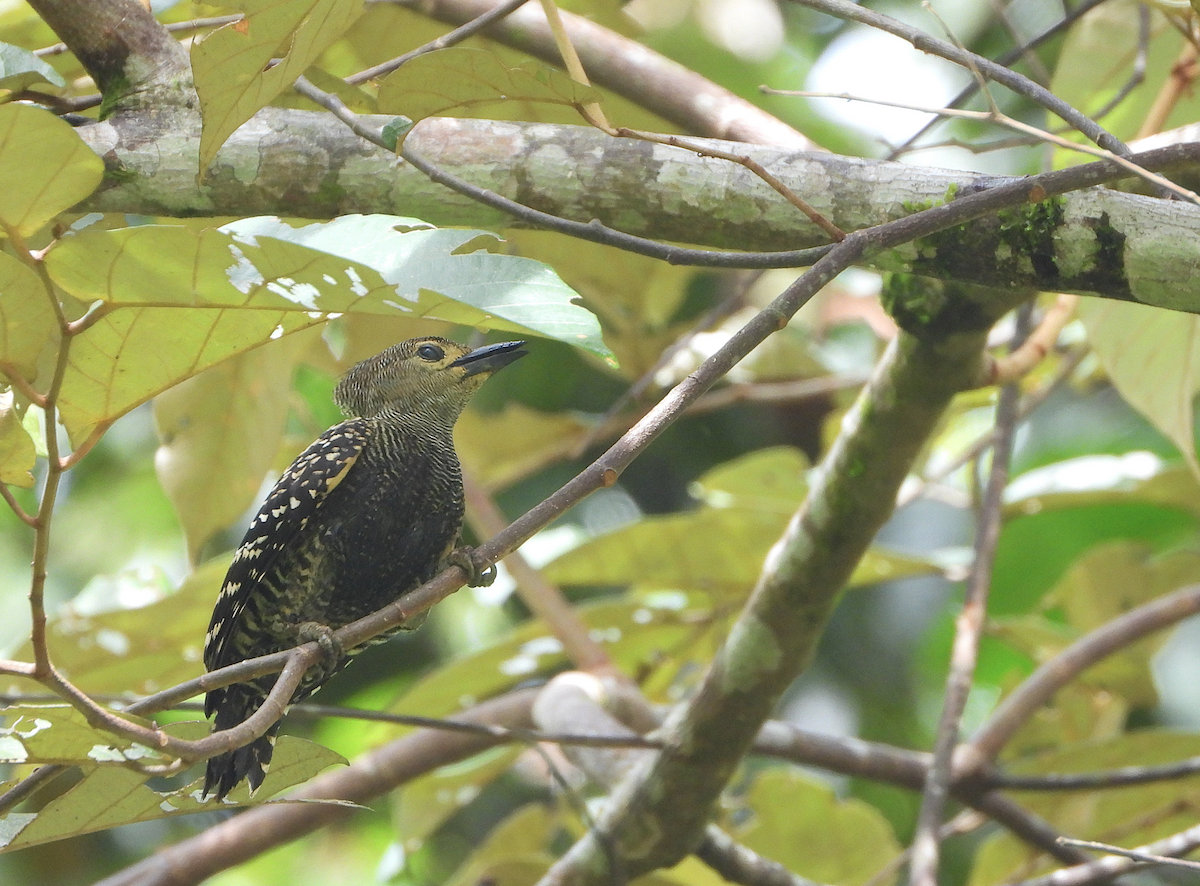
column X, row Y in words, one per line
column 233, row 706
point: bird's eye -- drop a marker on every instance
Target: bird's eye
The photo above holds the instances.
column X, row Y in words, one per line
column 432, row 353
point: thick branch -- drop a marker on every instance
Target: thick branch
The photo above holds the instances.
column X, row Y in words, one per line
column 304, row 164
column 125, row 50
column 658, row 813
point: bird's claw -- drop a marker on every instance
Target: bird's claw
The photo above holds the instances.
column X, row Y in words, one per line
column 322, row 635
column 464, row 558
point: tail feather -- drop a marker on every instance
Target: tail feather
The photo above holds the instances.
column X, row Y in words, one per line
column 251, row 762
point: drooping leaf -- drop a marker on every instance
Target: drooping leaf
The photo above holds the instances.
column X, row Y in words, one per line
column 58, row 733
column 458, row 77
column 232, row 66
column 1153, row 358
column 220, row 432
column 17, row 452
column 27, row 321
column 20, row 69
column 45, row 168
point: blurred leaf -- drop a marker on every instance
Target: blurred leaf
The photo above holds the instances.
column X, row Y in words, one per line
column 1153, row 358
column 20, row 69
column 425, row 803
column 515, row 852
column 27, row 321
column 634, row 296
column 47, row 168
column 1105, row 583
column 1103, row 479
column 17, row 451
column 1036, row 550
column 232, row 65
column 1131, row 816
column 501, row 448
column 221, row 430
column 801, row 824
column 720, row 547
column 139, row 650
column 640, row 630
column 457, row 77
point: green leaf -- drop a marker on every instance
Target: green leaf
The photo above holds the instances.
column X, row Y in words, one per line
column 232, row 66
column 110, row 796
column 170, row 292
column 1105, row 583
column 801, row 824
column 1130, row 816
column 58, row 733
column 20, row 69
column 220, row 433
column 425, row 803
column 17, row 451
column 500, row 448
column 141, row 649
column 718, row 548
column 447, row 274
column 458, row 77
column 639, row 631
column 28, row 324
column 515, row 853
column 45, row 168
column 1153, row 358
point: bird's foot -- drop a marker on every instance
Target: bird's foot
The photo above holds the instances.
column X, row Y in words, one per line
column 464, row 558
column 331, row 647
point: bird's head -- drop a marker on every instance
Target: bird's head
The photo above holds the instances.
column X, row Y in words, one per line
column 427, row 377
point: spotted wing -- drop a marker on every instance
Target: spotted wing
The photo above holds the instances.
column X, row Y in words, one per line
column 296, row 497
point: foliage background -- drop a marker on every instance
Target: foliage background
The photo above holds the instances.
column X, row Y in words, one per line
column 1102, row 509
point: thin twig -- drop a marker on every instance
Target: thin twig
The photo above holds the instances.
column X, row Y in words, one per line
column 458, row 35
column 592, row 111
column 967, row 635
column 835, row 233
column 592, row 231
column 1132, row 853
column 1018, row 83
column 995, row 115
column 24, row 516
column 543, row 598
column 1034, row 349
column 1040, row 687
column 1005, row 60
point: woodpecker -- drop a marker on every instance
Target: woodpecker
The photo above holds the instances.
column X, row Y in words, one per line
column 367, row 513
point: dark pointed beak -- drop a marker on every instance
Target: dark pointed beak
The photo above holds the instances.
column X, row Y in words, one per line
column 489, row 358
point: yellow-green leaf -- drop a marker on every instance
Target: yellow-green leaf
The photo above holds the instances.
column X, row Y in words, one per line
column 220, row 431
column 1153, row 358
column 27, row 321
column 45, row 168
column 17, row 452
column 801, row 824
column 440, row 81
column 232, row 66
